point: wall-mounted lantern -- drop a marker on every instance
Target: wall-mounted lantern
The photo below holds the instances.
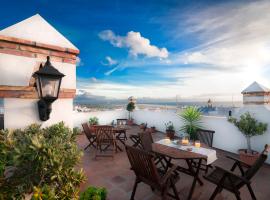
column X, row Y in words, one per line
column 48, row 82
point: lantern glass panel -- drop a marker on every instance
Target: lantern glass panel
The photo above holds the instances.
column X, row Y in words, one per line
column 49, row 86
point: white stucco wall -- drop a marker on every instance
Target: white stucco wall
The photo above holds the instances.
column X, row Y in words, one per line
column 19, row 113
column 227, row 136
column 105, row 117
column 17, row 70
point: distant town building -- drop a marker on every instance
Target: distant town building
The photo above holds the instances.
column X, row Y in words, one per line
column 209, row 103
column 256, row 94
column 132, row 99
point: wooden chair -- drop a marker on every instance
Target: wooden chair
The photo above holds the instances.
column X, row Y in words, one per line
column 228, row 180
column 121, row 121
column 121, row 134
column 90, row 136
column 205, row 137
column 146, row 142
column 105, row 139
column 135, row 138
column 142, row 163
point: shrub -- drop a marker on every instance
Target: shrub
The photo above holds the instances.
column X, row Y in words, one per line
column 93, row 193
column 249, row 127
column 169, row 126
column 40, row 158
column 130, row 108
column 93, row 121
column 191, row 118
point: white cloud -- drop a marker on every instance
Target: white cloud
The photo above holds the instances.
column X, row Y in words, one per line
column 109, row 61
column 79, row 62
column 135, row 42
column 233, row 51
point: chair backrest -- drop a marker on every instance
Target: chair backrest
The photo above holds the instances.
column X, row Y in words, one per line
column 87, row 130
column 143, row 165
column 206, row 136
column 146, row 140
column 145, row 127
column 121, row 121
column 258, row 164
column 104, row 133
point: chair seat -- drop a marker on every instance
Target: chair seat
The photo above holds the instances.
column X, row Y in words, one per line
column 217, row 175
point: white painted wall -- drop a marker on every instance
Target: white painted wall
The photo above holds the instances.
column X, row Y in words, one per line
column 19, row 113
column 105, row 117
column 227, row 136
column 17, row 70
column 37, row 29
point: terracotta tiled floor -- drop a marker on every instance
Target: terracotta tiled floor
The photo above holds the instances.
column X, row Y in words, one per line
column 116, row 176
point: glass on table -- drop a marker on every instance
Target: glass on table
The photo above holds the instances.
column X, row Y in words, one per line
column 167, row 140
column 197, row 143
column 185, row 140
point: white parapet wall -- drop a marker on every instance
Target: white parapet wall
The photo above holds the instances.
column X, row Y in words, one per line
column 227, row 137
column 105, row 117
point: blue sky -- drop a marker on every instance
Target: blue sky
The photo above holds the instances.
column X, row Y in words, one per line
column 157, row 48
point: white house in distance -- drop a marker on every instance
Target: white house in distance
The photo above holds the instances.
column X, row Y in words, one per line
column 23, row 47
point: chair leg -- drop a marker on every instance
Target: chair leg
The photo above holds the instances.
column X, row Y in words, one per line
column 251, row 192
column 134, row 189
column 174, row 190
column 87, row 146
column 237, row 195
column 215, row 193
column 165, row 193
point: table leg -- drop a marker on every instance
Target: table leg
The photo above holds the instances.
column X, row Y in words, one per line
column 196, row 177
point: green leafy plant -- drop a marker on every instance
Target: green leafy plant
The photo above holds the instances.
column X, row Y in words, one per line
column 93, row 121
column 191, row 118
column 169, row 126
column 43, row 158
column 130, row 108
column 249, row 127
column 94, row 193
column 76, row 130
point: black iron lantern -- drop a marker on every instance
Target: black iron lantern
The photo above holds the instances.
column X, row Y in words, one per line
column 48, row 82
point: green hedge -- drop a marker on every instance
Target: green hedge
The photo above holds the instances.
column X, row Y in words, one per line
column 39, row 161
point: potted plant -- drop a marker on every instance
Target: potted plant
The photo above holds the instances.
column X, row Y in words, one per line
column 94, row 193
column 170, row 131
column 249, row 127
column 143, row 126
column 191, row 118
column 93, row 121
column 130, row 108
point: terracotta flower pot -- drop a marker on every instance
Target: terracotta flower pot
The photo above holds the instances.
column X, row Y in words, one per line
column 130, row 122
column 153, row 129
column 248, row 157
column 170, row 134
column 142, row 126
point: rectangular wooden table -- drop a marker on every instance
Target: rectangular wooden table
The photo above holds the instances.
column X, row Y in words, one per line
column 118, row 130
column 174, row 153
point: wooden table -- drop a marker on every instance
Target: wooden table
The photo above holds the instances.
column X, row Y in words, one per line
column 118, row 130
column 173, row 153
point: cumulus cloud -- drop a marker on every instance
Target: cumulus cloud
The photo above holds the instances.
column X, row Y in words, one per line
column 135, row 42
column 109, row 61
column 233, row 48
column 79, row 62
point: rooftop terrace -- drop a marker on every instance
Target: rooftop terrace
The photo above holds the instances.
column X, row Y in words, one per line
column 116, row 176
